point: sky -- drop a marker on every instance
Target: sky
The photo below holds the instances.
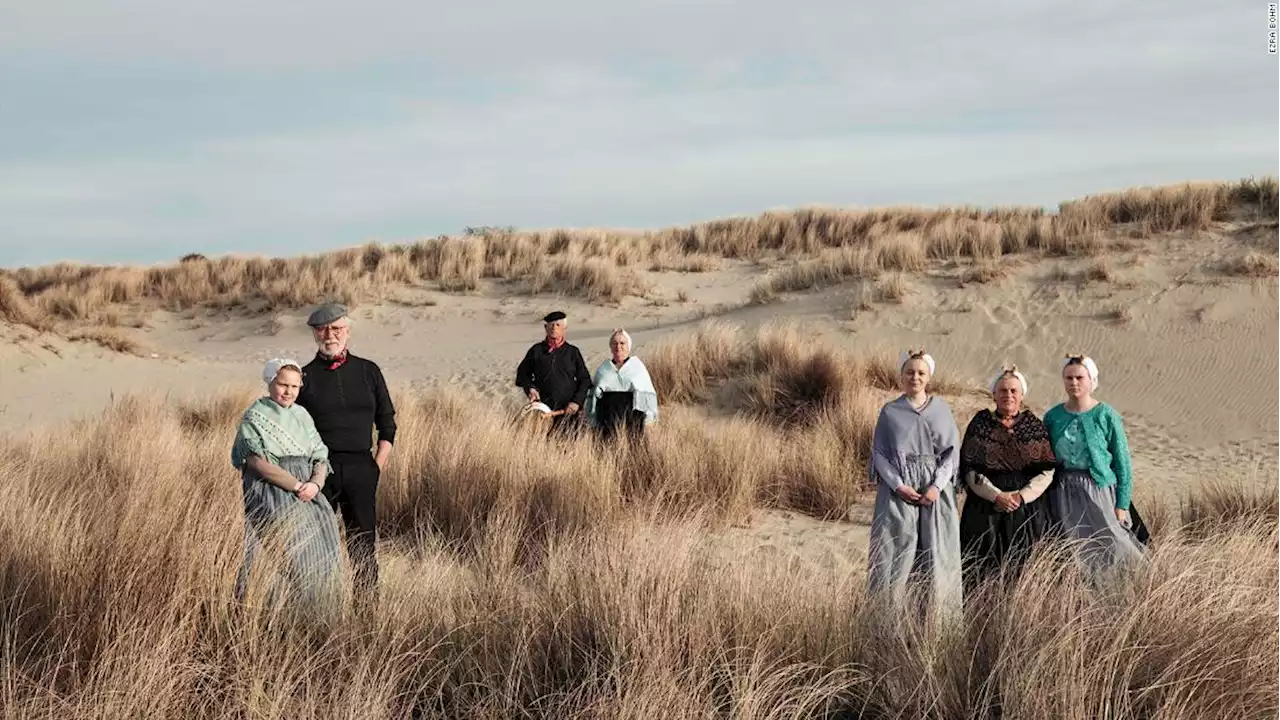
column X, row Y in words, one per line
column 137, row 131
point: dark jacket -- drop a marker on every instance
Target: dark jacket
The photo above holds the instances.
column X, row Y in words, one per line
column 348, row 403
column 560, row 376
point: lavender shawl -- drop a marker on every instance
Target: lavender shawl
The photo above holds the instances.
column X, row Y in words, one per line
column 909, row 441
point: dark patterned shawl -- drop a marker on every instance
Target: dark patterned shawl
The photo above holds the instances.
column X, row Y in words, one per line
column 991, row 449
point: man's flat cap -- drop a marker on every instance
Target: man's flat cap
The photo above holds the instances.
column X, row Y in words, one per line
column 554, row 316
column 326, row 314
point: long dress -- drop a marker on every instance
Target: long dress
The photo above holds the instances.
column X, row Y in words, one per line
column 909, row 542
column 1082, row 508
column 1011, row 459
column 305, row 532
column 302, row 538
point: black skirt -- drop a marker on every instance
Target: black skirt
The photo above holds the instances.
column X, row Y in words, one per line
column 616, row 414
column 990, row 538
column 1140, row 531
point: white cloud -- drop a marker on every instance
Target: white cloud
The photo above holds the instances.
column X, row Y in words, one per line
column 233, row 125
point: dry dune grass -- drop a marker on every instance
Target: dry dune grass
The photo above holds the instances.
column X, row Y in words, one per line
column 898, row 252
column 525, row 579
column 985, row 272
column 803, row 417
column 16, row 309
column 1119, row 313
column 1100, row 270
column 678, row 262
column 109, row 338
column 601, row 266
column 1253, row 264
column 718, row 361
column 893, row 287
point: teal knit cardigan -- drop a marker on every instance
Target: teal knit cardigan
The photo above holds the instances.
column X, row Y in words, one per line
column 1109, row 461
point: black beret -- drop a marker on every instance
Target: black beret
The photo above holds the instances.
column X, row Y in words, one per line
column 554, row 316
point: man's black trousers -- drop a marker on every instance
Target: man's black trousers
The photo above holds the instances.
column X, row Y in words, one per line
column 352, row 490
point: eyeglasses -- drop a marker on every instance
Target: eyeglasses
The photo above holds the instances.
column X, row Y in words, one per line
column 331, row 330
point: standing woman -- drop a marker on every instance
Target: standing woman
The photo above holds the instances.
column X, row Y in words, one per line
column 284, row 465
column 914, row 459
column 622, row 396
column 1007, row 462
column 1094, row 478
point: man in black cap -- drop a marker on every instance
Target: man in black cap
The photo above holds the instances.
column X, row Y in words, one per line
column 554, row 373
column 347, row 397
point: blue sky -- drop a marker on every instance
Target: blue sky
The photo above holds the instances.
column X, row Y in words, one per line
column 140, row 130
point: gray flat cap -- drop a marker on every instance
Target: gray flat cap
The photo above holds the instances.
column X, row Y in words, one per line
column 326, row 314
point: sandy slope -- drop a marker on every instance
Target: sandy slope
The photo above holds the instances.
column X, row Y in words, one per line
column 1192, row 367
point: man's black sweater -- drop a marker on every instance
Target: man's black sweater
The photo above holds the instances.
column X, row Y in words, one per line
column 560, row 375
column 347, row 403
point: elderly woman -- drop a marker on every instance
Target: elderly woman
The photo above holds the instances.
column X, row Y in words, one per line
column 1006, row 461
column 914, row 460
column 1093, row 483
column 622, row 395
column 283, row 465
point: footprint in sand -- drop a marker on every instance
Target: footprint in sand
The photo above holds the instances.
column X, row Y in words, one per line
column 1002, row 322
column 993, row 315
column 1035, row 332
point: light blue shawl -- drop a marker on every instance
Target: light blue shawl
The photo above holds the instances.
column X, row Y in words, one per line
column 272, row 431
column 632, row 377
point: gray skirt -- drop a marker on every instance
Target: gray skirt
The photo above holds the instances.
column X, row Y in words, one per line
column 301, row 536
column 1085, row 513
column 916, row 547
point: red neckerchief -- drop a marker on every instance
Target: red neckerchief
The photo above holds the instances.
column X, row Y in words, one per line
column 335, row 363
column 553, row 345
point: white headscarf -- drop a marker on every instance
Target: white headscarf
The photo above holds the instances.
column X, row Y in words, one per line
column 275, row 365
column 1089, row 365
column 1009, row 370
column 906, row 355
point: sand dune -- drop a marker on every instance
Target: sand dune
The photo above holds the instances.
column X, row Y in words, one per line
column 1187, row 351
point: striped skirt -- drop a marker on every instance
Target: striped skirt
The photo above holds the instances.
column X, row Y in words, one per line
column 294, row 544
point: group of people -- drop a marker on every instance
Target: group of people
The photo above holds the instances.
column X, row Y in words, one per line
column 307, row 451
column 618, row 398
column 1067, row 476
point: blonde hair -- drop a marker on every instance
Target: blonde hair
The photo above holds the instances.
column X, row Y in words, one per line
column 909, row 355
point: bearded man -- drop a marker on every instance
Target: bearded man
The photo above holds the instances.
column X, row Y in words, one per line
column 347, row 398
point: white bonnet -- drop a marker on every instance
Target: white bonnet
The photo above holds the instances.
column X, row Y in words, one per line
column 1009, row 370
column 1088, row 364
column 909, row 354
column 275, row 365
